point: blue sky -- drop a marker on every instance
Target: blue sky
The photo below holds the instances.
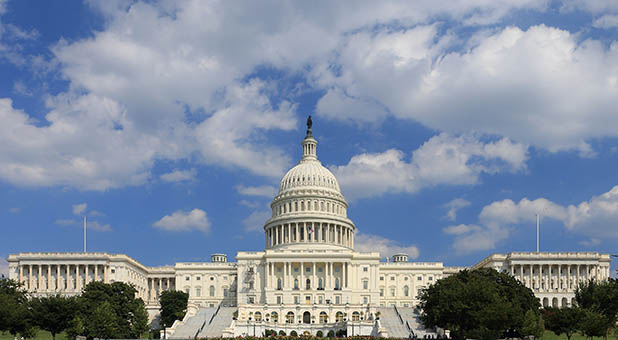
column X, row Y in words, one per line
column 449, row 125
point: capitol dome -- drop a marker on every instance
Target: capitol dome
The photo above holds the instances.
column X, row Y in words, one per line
column 309, row 207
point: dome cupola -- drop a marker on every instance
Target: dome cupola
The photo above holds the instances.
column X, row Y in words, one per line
column 309, row 207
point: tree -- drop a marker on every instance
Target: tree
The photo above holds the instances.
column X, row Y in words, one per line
column 480, row 304
column 173, row 306
column 593, row 324
column 563, row 320
column 125, row 315
column 533, row 324
column 54, row 313
column 599, row 297
column 15, row 314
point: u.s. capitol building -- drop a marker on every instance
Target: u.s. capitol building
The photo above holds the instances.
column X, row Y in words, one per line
column 309, row 278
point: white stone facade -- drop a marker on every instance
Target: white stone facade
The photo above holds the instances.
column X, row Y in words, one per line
column 309, row 276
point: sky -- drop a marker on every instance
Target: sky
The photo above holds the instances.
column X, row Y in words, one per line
column 449, row 124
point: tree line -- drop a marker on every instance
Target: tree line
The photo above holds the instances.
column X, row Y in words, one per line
column 102, row 311
column 486, row 304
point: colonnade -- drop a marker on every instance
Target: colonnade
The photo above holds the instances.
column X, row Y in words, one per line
column 330, row 279
column 548, row 277
column 61, row 277
column 307, row 232
column 156, row 285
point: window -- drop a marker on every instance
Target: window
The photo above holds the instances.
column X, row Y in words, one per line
column 320, row 284
column 365, row 300
column 251, row 300
column 320, row 299
column 338, row 300
column 381, row 291
column 405, row 278
column 295, row 283
column 278, row 269
column 296, row 299
column 295, row 269
column 212, row 290
column 225, row 292
column 420, row 278
column 365, row 269
column 336, row 269
column 430, row 278
column 278, row 299
column 308, row 284
column 187, row 290
column 187, row 278
column 392, row 278
column 337, row 284
column 320, row 270
column 392, row 291
column 365, row 284
column 212, row 278
column 308, row 270
column 406, row 291
column 198, row 291
column 113, row 271
column 381, row 278
column 279, row 284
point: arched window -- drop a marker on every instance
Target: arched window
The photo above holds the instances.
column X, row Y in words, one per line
column 320, row 284
column 274, row 317
column 295, row 283
column 406, row 291
column 295, row 206
column 323, row 317
column 279, row 284
column 308, row 284
column 289, row 317
column 337, row 284
column 302, row 205
column 355, row 316
column 212, row 290
column 258, row 316
column 339, row 317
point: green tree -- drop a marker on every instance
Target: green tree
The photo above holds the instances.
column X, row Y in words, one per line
column 563, row 320
column 600, row 297
column 480, row 303
column 533, row 324
column 15, row 314
column 76, row 327
column 173, row 306
column 54, row 313
column 102, row 322
column 128, row 318
column 593, row 324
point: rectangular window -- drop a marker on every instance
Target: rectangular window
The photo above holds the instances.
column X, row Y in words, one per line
column 381, row 291
column 365, row 284
column 365, row 269
column 420, row 278
column 198, row 291
column 430, row 278
column 319, row 269
column 392, row 291
column 278, row 299
column 251, row 300
column 278, row 269
column 296, row 299
column 295, row 269
column 320, row 299
column 308, row 270
column 337, row 299
column 198, row 278
column 381, row 278
column 187, row 278
column 365, row 300
column 392, row 278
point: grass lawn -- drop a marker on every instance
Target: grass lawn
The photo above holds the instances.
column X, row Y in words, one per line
column 41, row 335
column 549, row 335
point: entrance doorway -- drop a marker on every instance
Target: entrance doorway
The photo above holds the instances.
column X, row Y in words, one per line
column 306, row 317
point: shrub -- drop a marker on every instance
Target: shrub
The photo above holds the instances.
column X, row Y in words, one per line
column 293, row 333
column 341, row 333
column 282, row 332
column 330, row 334
column 319, row 334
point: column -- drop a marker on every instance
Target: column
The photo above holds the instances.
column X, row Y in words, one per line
column 285, row 275
column 21, row 273
column 58, row 277
column 78, row 282
column 68, row 277
column 96, row 272
column 328, row 275
column 301, row 279
column 345, row 275
column 159, row 291
column 49, row 277
column 314, row 283
column 560, row 277
column 530, row 274
column 267, row 274
column 105, row 269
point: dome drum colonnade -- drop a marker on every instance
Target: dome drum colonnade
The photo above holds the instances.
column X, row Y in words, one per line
column 309, row 207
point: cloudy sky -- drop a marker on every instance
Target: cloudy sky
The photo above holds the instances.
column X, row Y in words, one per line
column 169, row 124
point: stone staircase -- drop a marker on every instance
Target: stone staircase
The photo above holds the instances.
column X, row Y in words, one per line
column 409, row 314
column 390, row 320
column 221, row 320
column 193, row 324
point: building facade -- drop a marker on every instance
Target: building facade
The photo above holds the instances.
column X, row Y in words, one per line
column 309, row 277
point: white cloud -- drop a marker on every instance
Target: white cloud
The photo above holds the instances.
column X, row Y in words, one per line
column 442, row 160
column 78, row 209
column 386, row 247
column 268, row 191
column 195, row 219
column 596, row 218
column 179, row 176
column 255, row 221
column 606, row 21
column 14, row 210
column 454, row 206
column 508, row 82
column 90, row 224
